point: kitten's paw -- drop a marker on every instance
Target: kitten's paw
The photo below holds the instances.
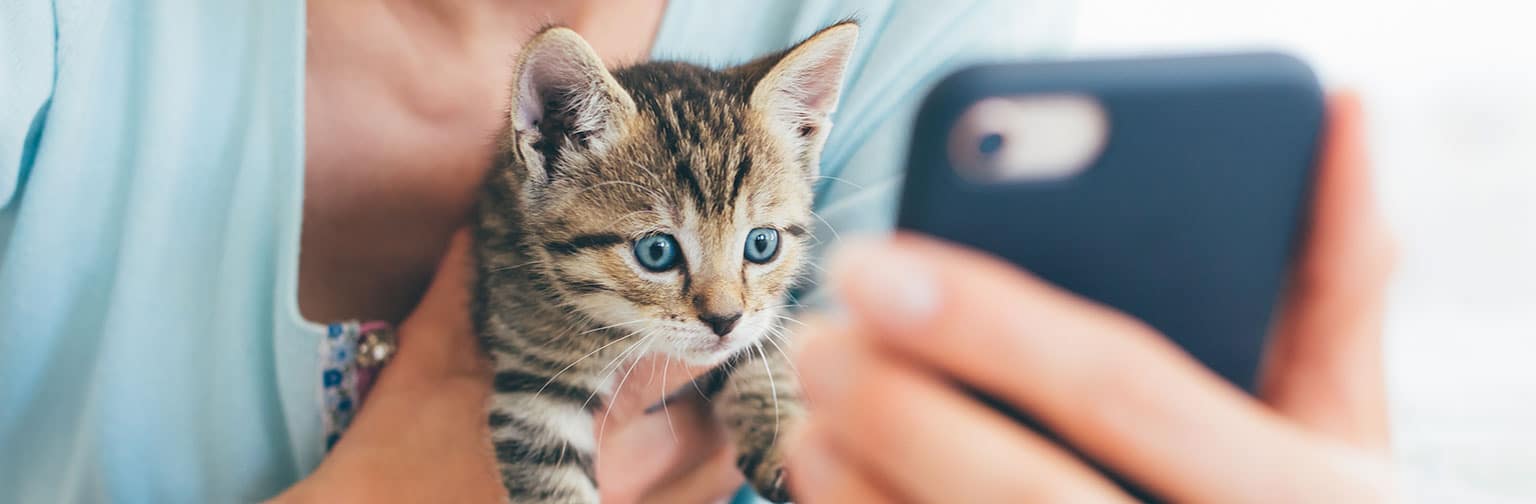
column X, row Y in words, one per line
column 768, row 476
column 776, row 491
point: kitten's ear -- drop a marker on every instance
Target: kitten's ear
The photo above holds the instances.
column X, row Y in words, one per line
column 799, row 91
column 563, row 97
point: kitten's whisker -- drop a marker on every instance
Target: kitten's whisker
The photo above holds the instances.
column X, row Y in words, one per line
column 653, row 192
column 664, row 411
column 618, row 359
column 639, row 213
column 788, row 318
column 598, row 389
column 647, row 190
column 772, row 389
column 774, row 342
column 781, row 331
column 828, row 224
column 597, row 447
column 578, row 361
column 774, row 331
column 616, row 390
column 500, row 269
column 837, row 179
column 695, row 382
column 616, row 362
column 652, row 378
column 620, row 324
column 782, row 337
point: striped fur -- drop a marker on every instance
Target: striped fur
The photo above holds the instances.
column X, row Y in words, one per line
column 592, row 161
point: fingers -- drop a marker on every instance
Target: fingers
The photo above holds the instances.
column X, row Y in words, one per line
column 928, row 440
column 676, row 455
column 448, row 294
column 1323, row 367
column 817, row 475
column 1111, row 386
column 1347, row 235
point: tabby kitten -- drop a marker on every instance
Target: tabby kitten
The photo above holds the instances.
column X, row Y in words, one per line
column 658, row 208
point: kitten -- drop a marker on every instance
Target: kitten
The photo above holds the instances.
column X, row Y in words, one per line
column 658, row 208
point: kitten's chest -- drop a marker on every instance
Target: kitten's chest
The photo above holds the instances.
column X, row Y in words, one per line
column 644, row 381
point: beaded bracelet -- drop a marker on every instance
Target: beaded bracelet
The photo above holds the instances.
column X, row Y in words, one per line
column 350, row 359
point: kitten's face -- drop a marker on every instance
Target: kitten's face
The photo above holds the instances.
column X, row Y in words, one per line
column 661, row 242
column 677, row 215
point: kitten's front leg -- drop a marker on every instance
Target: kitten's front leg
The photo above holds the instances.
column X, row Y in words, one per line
column 760, row 405
column 542, row 432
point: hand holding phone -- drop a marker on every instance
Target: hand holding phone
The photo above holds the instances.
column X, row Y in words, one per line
column 895, row 386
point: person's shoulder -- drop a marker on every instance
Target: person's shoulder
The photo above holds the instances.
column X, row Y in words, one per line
column 26, row 79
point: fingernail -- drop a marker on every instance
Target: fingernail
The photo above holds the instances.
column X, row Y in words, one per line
column 885, row 285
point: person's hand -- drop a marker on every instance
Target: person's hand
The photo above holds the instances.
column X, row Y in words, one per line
column 422, row 436
column 894, row 418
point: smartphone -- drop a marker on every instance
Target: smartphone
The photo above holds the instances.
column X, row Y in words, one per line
column 1173, row 189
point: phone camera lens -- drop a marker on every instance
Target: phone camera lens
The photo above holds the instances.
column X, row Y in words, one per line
column 990, row 144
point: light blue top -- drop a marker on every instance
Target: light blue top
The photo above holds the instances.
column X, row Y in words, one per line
column 151, row 168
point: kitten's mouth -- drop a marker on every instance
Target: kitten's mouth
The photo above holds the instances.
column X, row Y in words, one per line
column 713, row 348
column 711, row 352
column 698, row 345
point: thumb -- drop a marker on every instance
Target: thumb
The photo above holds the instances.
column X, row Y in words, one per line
column 422, row 434
column 1324, row 364
column 438, row 335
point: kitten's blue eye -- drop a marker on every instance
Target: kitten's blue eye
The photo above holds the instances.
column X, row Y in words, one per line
column 657, row 252
column 762, row 245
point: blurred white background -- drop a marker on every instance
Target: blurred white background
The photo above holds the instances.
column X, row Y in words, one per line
column 1451, row 89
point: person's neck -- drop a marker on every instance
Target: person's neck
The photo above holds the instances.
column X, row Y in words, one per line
column 402, row 99
column 611, row 26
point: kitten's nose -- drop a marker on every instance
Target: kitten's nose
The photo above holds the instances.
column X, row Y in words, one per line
column 721, row 324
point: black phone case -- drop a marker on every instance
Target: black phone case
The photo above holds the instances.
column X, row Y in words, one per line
column 1189, row 218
